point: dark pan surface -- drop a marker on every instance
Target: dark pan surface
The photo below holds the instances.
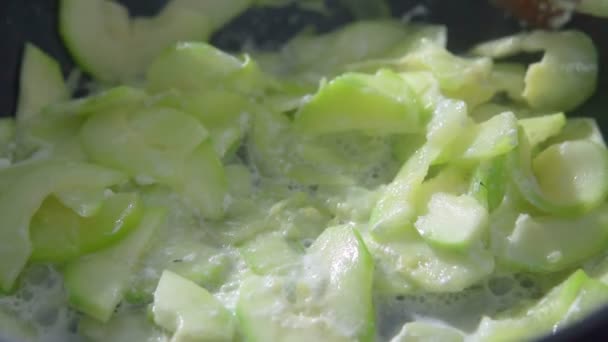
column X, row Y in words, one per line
column 468, row 22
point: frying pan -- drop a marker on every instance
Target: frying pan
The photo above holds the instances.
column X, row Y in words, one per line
column 468, row 22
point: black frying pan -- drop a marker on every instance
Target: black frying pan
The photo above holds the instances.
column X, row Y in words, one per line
column 468, row 22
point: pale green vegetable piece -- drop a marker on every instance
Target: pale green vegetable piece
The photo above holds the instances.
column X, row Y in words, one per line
column 59, row 235
column 489, row 182
column 451, row 180
column 117, row 97
column 577, row 295
column 160, row 144
column 579, row 167
column 565, row 77
column 190, row 312
column 270, row 135
column 7, row 136
column 377, row 104
column 195, row 67
column 23, row 196
column 355, row 42
column 592, row 296
column 593, row 7
column 548, row 244
column 129, row 326
column 269, row 254
column 317, row 303
column 40, row 83
column 101, row 36
column 85, row 202
column 55, row 133
column 539, row 129
column 417, row 36
column 493, row 137
column 488, row 110
column 452, row 222
column 225, row 114
column 421, row 331
column 573, row 172
column 395, row 211
column 203, row 182
column 466, row 79
column 411, row 266
column 426, row 87
column 146, row 142
column 178, row 248
column 97, row 282
column 509, row 78
column 580, row 129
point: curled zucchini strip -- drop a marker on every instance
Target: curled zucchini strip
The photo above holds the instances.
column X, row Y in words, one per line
column 564, row 78
column 566, row 179
column 575, row 298
column 396, row 209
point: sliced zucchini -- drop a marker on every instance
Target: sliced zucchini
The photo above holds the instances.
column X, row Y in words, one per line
column 414, row 266
column 483, row 141
column 467, row 79
column 377, row 104
column 269, row 254
column 97, row 282
column 394, row 213
column 225, row 114
column 115, row 48
column 181, row 248
column 564, row 78
column 452, row 222
column 190, row 312
column 160, row 144
column 195, row 67
column 58, row 234
column 548, row 244
column 124, row 326
column 40, row 83
column 579, row 129
column 318, row 302
column 577, row 296
column 493, row 137
column 567, row 179
column 539, row 129
column 488, row 184
column 451, row 181
column 7, row 136
column 84, row 202
column 573, row 172
column 327, row 53
column 203, row 182
column 23, row 196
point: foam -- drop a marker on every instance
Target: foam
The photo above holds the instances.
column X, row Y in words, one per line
column 42, row 303
column 462, row 310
